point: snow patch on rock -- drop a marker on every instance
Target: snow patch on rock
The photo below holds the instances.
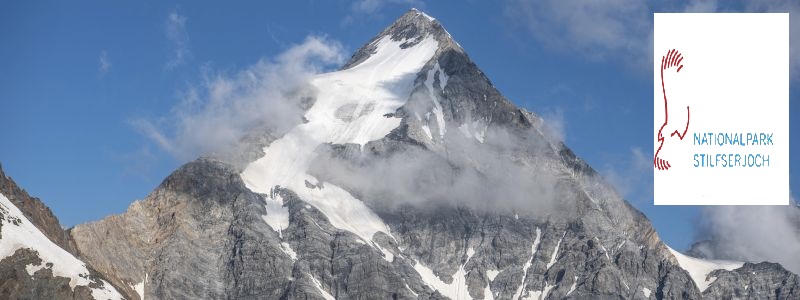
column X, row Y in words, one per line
column 23, row 234
column 323, row 292
column 139, row 287
column 573, row 286
column 699, row 269
column 534, row 247
column 277, row 215
column 438, row 112
column 289, row 251
column 492, row 274
column 457, row 289
column 555, row 252
column 384, row 82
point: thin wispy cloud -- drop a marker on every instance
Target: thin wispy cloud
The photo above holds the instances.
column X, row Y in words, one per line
column 103, row 63
column 216, row 114
column 621, row 31
column 632, row 175
column 178, row 39
column 595, row 29
column 555, row 124
column 372, row 8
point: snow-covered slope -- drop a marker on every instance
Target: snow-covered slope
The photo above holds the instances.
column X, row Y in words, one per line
column 457, row 289
column 353, row 106
column 19, row 233
column 699, row 269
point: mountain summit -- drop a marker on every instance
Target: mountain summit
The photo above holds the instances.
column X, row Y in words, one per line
column 410, row 177
column 411, row 28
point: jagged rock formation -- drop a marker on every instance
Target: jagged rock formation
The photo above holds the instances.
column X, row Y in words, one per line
column 32, row 266
column 754, row 281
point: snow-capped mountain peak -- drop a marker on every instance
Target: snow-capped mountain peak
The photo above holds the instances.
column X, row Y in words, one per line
column 354, row 105
column 410, row 29
column 411, row 176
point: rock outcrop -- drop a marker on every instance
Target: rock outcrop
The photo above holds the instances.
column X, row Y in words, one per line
column 38, row 213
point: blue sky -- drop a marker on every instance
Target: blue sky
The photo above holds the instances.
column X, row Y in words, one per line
column 76, row 76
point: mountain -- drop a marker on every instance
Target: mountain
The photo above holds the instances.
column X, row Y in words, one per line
column 408, row 175
column 35, row 264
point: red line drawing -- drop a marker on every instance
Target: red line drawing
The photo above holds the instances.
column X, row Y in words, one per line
column 672, row 59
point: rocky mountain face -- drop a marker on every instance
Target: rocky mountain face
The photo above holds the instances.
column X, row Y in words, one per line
column 37, row 257
column 754, row 281
column 35, row 211
column 410, row 177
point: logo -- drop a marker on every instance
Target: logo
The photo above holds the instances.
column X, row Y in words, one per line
column 671, row 61
column 720, row 109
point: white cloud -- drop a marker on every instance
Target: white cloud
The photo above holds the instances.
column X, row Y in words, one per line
column 178, row 38
column 502, row 168
column 752, row 233
column 104, row 63
column 555, row 125
column 632, row 175
column 219, row 112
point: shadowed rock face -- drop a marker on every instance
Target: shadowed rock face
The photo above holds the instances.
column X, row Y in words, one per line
column 201, row 233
